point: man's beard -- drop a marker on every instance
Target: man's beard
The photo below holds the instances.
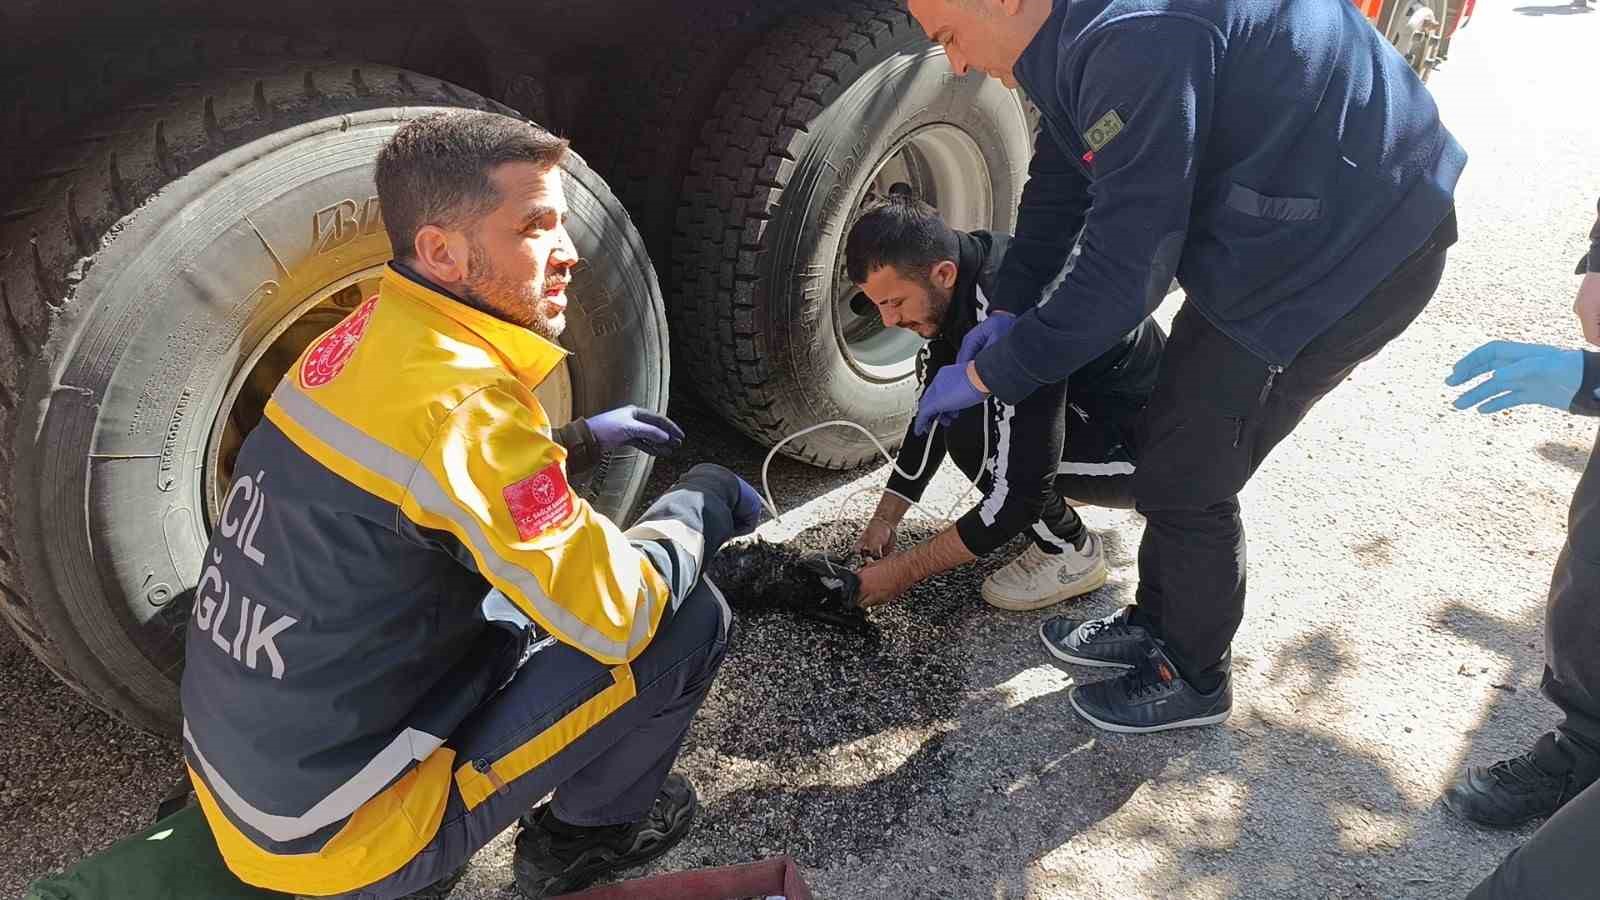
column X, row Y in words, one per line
column 516, row 302
column 938, row 307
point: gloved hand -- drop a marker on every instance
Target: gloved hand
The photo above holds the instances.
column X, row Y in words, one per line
column 651, row 432
column 1523, row 373
column 990, row 330
column 951, row 391
column 749, row 511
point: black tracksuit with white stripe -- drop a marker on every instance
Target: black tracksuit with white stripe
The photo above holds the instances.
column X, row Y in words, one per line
column 1075, row 439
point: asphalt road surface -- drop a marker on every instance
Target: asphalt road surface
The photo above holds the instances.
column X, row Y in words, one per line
column 1400, row 553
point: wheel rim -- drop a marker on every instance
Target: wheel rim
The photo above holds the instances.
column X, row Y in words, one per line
column 944, row 167
column 265, row 364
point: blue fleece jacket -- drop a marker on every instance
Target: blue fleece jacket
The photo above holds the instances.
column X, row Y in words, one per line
column 1277, row 156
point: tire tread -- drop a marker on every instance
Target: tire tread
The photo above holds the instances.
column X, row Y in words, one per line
column 58, row 219
column 735, row 181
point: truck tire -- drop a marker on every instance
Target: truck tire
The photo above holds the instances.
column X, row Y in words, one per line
column 49, row 99
column 154, row 286
column 832, row 109
column 641, row 142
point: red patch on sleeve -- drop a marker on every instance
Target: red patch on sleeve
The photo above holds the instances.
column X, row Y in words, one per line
column 1088, row 158
column 539, row 501
column 327, row 357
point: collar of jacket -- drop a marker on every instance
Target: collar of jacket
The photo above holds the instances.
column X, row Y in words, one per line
column 1037, row 69
column 962, row 314
column 526, row 355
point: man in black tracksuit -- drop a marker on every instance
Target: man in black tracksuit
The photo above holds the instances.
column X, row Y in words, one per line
column 1560, row 775
column 1068, row 444
column 1280, row 159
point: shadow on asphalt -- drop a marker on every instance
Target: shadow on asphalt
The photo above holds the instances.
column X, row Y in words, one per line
column 1521, row 642
column 1571, row 456
column 1563, row 9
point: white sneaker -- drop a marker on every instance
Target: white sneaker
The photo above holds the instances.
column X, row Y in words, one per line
column 1037, row 579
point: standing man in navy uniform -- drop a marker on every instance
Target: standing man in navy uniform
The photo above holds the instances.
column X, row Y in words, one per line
column 1282, row 162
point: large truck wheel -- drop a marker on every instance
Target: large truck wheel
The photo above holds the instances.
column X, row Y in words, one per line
column 834, row 109
column 153, row 290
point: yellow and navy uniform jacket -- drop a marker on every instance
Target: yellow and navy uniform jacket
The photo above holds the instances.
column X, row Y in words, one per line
column 339, row 632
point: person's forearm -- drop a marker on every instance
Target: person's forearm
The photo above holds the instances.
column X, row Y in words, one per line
column 931, row 558
column 891, row 509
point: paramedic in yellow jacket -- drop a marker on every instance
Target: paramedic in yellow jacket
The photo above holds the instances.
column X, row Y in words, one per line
column 409, row 629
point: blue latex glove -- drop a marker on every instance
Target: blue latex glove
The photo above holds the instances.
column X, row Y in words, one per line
column 1523, row 373
column 749, row 511
column 651, row 432
column 950, row 392
column 990, row 330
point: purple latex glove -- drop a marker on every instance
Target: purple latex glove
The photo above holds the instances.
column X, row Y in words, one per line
column 987, row 332
column 651, row 432
column 950, row 392
column 990, row 330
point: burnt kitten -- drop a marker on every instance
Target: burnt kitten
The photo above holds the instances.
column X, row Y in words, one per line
column 760, row 576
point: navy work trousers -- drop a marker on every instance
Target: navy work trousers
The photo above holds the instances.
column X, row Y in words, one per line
column 1216, row 413
column 608, row 774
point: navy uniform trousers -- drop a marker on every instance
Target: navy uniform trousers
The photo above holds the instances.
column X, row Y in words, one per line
column 610, row 774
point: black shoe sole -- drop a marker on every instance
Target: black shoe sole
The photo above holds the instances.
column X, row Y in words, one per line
column 1064, row 656
column 568, row 882
column 1196, row 722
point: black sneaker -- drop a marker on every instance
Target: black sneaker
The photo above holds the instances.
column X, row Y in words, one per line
column 1511, row 792
column 1109, row 642
column 555, row 858
column 1153, row 697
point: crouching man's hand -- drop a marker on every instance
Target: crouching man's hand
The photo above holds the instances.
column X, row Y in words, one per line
column 877, row 539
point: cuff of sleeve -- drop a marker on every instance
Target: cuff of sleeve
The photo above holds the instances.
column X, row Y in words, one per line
column 1004, row 376
column 717, row 480
column 1587, row 401
column 578, row 439
column 905, row 490
column 981, row 540
column 1591, row 263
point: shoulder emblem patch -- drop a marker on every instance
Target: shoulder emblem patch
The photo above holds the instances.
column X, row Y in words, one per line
column 539, row 501
column 1104, row 131
column 329, row 354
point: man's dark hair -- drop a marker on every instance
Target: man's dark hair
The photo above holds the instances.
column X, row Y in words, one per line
column 435, row 170
column 902, row 232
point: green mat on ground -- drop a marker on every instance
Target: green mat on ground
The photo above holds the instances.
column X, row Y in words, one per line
column 174, row 859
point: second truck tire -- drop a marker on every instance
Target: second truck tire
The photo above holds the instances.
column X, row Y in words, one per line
column 834, row 109
column 152, row 290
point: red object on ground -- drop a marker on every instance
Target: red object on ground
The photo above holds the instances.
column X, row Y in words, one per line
column 776, row 877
